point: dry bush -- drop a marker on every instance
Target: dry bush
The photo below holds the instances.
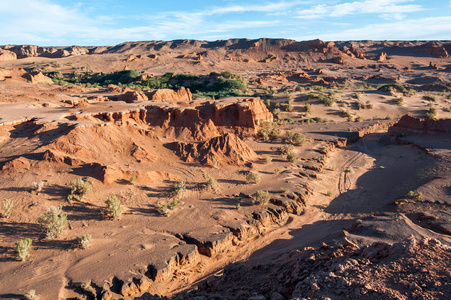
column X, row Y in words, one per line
column 22, row 248
column 7, row 209
column 210, row 182
column 114, row 208
column 79, row 189
column 37, row 187
column 84, row 241
column 260, row 197
column 253, row 177
column 295, row 138
column 31, row 295
column 165, row 209
column 53, row 222
column 179, row 188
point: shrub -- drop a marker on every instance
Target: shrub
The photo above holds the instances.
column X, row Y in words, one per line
column 295, row 138
column 84, row 241
column 22, row 248
column 260, row 197
column 276, row 113
column 431, row 114
column 345, row 113
column 288, row 107
column 328, row 101
column 179, row 187
column 166, row 208
column 268, row 132
column 400, row 101
column 308, row 108
column 253, row 177
column 369, row 105
column 53, row 222
column 80, row 188
column 114, row 208
column 7, row 209
column 291, row 156
column 276, row 171
column 238, row 206
column 37, row 186
column 329, row 194
column 284, row 149
column 268, row 160
column 133, row 180
column 210, row 182
column 31, row 295
column 389, row 117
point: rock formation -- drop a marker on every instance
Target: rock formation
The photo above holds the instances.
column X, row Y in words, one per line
column 227, row 149
column 182, row 94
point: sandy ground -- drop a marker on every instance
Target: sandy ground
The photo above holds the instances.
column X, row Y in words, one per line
column 361, row 181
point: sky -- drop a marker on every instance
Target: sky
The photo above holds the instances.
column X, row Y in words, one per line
column 110, row 22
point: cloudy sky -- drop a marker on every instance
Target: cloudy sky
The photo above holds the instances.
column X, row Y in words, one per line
column 109, row 22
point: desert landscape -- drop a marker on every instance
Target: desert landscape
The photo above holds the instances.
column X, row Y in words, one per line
column 231, row 169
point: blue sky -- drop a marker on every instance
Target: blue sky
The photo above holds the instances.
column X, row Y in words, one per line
column 109, row 22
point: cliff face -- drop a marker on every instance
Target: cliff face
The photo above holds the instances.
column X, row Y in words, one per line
column 221, row 150
column 408, row 124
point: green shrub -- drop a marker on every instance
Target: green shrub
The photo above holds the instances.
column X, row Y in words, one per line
column 53, row 222
column 431, row 114
column 389, row 117
column 22, row 248
column 345, row 113
column 79, row 189
column 292, row 156
column 288, row 107
column 165, row 209
column 308, row 108
column 299, row 89
column 7, row 209
column 295, row 138
column 114, row 208
column 210, row 182
column 253, row 177
column 268, row 132
column 400, row 101
column 329, row 193
column 260, row 197
column 284, row 149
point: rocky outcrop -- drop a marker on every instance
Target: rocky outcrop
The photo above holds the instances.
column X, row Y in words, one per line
column 227, row 149
column 381, row 57
column 109, row 175
column 7, row 55
column 37, row 77
column 183, row 94
column 411, row 125
column 135, row 96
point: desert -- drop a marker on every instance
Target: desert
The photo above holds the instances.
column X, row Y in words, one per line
column 229, row 169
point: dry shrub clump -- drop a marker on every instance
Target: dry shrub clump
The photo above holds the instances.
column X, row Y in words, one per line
column 53, row 222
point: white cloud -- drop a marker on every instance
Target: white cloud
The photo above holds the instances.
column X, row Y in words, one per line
column 360, row 7
column 420, row 29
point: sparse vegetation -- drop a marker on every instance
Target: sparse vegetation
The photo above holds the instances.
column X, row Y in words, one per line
column 133, row 180
column 329, row 193
column 432, row 113
column 165, row 208
column 268, row 132
column 389, row 117
column 79, row 189
column 114, row 208
column 179, row 188
column 210, row 182
column 268, row 160
column 22, row 248
column 276, row 171
column 53, row 222
column 295, row 138
column 288, row 107
column 400, row 101
column 31, row 295
column 7, row 208
column 84, row 241
column 37, row 187
column 253, row 177
column 260, row 197
column 291, row 156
